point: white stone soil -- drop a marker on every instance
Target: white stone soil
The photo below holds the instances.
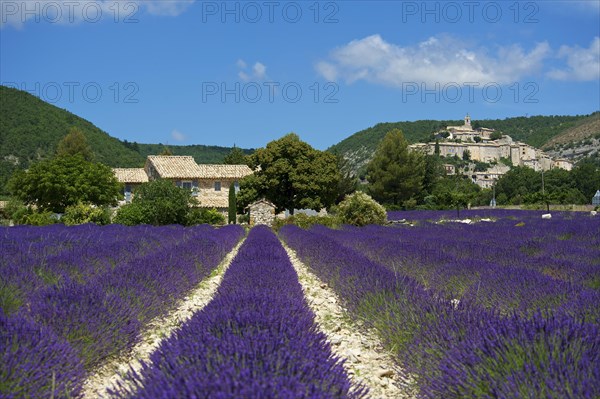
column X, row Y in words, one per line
column 367, row 362
column 111, row 374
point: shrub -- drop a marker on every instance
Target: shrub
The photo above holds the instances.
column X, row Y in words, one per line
column 360, row 209
column 305, row 221
column 244, row 218
column 85, row 213
column 130, row 215
column 38, row 218
column 204, row 216
column 16, row 211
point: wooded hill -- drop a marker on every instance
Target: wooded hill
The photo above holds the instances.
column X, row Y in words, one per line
column 535, row 131
column 30, row 130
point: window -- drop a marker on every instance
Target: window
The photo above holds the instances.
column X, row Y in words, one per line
column 187, row 185
column 236, row 186
column 217, row 186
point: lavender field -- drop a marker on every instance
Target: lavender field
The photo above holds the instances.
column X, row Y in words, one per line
column 73, row 297
column 507, row 306
column 503, row 308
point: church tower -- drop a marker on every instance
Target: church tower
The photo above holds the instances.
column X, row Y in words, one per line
column 468, row 121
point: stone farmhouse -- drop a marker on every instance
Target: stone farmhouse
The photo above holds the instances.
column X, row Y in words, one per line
column 483, row 149
column 209, row 184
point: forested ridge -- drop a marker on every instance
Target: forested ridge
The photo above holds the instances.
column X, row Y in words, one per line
column 534, row 130
column 30, row 130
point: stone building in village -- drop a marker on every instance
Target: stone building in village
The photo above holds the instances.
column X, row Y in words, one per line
column 209, row 184
column 481, row 147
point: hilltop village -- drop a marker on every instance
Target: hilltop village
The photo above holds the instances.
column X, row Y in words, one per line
column 487, row 146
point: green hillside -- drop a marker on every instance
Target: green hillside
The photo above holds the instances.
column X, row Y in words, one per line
column 201, row 153
column 535, row 130
column 30, row 130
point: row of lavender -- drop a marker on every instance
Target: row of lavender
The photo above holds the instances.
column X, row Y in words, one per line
column 469, row 347
column 72, row 297
column 257, row 338
column 557, row 261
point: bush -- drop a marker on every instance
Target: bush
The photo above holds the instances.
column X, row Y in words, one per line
column 39, row 218
column 16, row 211
column 305, row 221
column 85, row 213
column 162, row 203
column 360, row 209
column 204, row 216
column 130, row 215
column 244, row 218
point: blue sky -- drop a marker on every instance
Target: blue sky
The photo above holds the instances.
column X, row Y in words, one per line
column 219, row 73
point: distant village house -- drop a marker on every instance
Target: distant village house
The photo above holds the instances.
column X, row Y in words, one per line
column 481, row 147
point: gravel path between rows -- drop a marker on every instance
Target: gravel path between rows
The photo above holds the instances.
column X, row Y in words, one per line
column 109, row 375
column 367, row 362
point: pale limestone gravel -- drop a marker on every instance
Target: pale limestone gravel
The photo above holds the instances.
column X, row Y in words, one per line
column 112, row 373
column 367, row 362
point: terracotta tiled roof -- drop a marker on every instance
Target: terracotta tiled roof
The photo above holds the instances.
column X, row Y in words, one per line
column 131, row 175
column 224, row 171
column 213, row 201
column 175, row 167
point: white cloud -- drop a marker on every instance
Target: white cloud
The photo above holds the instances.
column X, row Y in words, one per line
column 17, row 13
column 171, row 8
column 178, row 136
column 258, row 72
column 327, row 70
column 583, row 64
column 442, row 59
column 241, row 64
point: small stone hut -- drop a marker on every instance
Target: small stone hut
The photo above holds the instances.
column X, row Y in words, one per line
column 596, row 198
column 262, row 212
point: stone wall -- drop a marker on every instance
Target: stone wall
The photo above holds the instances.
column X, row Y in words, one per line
column 262, row 212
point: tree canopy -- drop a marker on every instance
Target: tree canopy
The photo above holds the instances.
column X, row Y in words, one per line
column 56, row 183
column 395, row 174
column 292, row 175
column 235, row 157
column 75, row 143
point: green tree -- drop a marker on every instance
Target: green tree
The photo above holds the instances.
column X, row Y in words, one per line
column 232, row 211
column 166, row 151
column 434, row 170
column 495, row 136
column 466, row 155
column 455, row 192
column 75, row 143
column 54, row 184
column 395, row 174
column 348, row 180
column 292, row 175
column 586, row 178
column 158, row 202
column 517, row 183
column 235, row 157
